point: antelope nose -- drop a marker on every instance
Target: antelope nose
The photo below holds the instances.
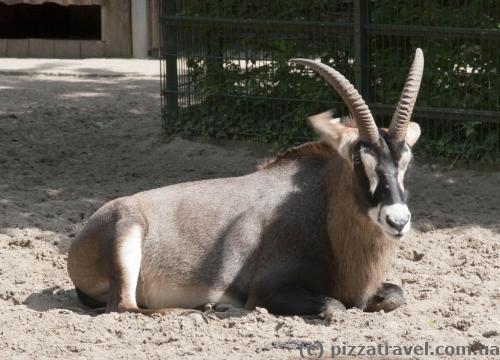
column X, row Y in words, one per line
column 397, row 217
column 397, row 223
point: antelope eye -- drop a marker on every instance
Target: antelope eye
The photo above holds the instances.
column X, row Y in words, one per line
column 357, row 159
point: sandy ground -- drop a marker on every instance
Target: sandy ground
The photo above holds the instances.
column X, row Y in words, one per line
column 68, row 144
column 81, row 68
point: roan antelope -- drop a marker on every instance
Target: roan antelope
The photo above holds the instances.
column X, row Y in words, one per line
column 309, row 233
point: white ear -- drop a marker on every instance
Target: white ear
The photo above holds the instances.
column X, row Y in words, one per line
column 338, row 136
column 412, row 133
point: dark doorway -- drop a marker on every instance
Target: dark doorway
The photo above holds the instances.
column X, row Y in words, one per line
column 50, row 21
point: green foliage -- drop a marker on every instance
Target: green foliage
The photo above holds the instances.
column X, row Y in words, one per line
column 240, row 84
column 253, row 91
column 465, row 142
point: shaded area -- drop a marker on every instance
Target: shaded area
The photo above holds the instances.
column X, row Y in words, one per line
column 86, row 68
column 53, row 298
column 66, row 147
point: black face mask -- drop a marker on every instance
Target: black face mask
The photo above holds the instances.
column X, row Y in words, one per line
column 387, row 155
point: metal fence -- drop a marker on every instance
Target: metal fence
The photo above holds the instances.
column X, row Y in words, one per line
column 225, row 74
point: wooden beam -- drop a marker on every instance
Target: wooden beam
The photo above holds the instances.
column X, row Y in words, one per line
column 154, row 27
column 3, row 47
column 17, row 47
column 92, row 48
column 118, row 33
column 41, row 48
column 67, row 49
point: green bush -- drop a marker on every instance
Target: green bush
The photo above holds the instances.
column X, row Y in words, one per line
column 246, row 88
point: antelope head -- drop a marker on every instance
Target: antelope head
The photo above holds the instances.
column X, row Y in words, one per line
column 378, row 158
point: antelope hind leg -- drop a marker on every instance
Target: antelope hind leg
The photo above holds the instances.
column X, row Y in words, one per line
column 126, row 256
column 389, row 297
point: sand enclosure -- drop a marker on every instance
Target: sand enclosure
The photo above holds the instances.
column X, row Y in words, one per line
column 68, row 144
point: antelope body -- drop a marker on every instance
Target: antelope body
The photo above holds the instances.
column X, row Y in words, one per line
column 309, row 233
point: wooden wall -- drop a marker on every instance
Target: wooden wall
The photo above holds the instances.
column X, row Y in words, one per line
column 154, row 27
column 116, row 41
column 117, row 28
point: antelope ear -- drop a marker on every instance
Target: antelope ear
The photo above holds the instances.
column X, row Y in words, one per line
column 340, row 137
column 412, row 133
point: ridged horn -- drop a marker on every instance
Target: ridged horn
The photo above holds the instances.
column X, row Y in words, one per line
column 404, row 109
column 368, row 130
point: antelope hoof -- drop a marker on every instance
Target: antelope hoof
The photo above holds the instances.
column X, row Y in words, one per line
column 387, row 298
column 206, row 307
column 332, row 306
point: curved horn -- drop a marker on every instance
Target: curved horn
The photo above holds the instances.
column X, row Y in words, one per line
column 368, row 130
column 404, row 109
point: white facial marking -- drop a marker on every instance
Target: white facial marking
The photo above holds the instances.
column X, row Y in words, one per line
column 373, row 213
column 403, row 166
column 394, row 220
column 370, row 165
column 129, row 255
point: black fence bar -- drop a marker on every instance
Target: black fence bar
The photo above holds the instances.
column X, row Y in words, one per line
column 199, row 21
column 432, row 31
column 361, row 44
column 462, row 115
column 341, row 27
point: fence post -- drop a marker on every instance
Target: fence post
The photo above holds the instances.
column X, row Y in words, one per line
column 215, row 63
column 170, row 37
column 361, row 51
